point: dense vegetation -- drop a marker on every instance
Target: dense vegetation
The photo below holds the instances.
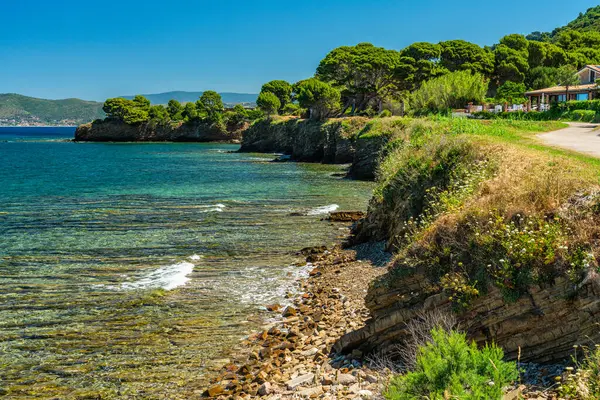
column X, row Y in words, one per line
column 451, row 368
column 209, row 109
column 229, row 99
column 574, row 110
column 370, row 79
column 17, row 109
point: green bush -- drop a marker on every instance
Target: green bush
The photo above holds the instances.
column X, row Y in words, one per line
column 452, row 90
column 583, row 105
column 292, row 109
column 385, row 114
column 451, row 368
column 583, row 115
column 268, row 103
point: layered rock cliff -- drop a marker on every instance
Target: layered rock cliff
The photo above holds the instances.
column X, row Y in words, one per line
column 336, row 141
column 115, row 131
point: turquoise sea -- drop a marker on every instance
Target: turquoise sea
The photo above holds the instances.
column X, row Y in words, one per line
column 127, row 270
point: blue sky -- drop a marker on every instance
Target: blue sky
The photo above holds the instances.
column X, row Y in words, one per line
column 94, row 50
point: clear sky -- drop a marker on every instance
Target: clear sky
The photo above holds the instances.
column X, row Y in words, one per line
column 94, row 50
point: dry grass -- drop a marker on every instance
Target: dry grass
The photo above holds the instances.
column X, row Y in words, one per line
column 525, row 191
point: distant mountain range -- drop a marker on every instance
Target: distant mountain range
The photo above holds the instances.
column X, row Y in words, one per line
column 186, row 97
column 19, row 110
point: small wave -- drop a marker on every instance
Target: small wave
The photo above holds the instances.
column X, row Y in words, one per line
column 213, row 208
column 323, row 210
column 195, row 257
column 168, row 278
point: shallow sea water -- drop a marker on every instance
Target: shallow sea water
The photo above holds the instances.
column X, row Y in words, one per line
column 126, row 270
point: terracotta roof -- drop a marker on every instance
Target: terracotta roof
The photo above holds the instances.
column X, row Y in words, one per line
column 561, row 89
column 594, row 67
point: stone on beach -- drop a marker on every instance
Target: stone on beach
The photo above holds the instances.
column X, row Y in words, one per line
column 301, row 380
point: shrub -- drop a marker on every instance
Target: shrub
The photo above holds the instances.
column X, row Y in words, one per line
column 292, row 109
column 453, row 90
column 583, row 105
column 322, row 99
column 385, row 114
column 419, row 334
column 254, row 114
column 268, row 103
column 583, row 115
column 450, row 367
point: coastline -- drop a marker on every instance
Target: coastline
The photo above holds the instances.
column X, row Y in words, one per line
column 293, row 354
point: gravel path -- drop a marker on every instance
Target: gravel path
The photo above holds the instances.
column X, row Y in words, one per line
column 579, row 136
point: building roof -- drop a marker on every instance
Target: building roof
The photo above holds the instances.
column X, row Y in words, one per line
column 594, row 67
column 563, row 89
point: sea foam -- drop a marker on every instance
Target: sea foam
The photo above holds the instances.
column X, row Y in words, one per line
column 213, row 208
column 168, row 278
column 323, row 210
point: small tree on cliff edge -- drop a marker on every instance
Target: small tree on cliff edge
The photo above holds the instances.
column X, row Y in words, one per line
column 269, row 103
column 281, row 89
column 210, row 105
column 322, row 99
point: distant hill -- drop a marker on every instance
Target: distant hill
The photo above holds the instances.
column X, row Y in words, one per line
column 16, row 109
column 186, row 97
column 588, row 21
column 585, row 22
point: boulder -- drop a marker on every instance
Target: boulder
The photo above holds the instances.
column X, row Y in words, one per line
column 346, row 216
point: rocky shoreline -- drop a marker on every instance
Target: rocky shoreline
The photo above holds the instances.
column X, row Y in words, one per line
column 294, row 357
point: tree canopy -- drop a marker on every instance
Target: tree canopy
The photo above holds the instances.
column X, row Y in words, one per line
column 511, row 92
column 322, row 99
column 281, row 89
column 364, row 77
column 364, row 74
column 210, row 104
column 129, row 111
column 268, row 102
column 460, row 55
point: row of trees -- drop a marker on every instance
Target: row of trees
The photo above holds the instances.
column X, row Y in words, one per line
column 361, row 79
column 367, row 77
column 310, row 97
column 209, row 109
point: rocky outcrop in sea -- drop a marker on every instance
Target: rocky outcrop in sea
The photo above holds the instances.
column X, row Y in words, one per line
column 116, row 131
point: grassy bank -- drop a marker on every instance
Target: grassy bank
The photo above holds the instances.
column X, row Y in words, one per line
column 460, row 195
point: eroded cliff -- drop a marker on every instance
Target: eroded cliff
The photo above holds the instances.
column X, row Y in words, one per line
column 336, row 141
